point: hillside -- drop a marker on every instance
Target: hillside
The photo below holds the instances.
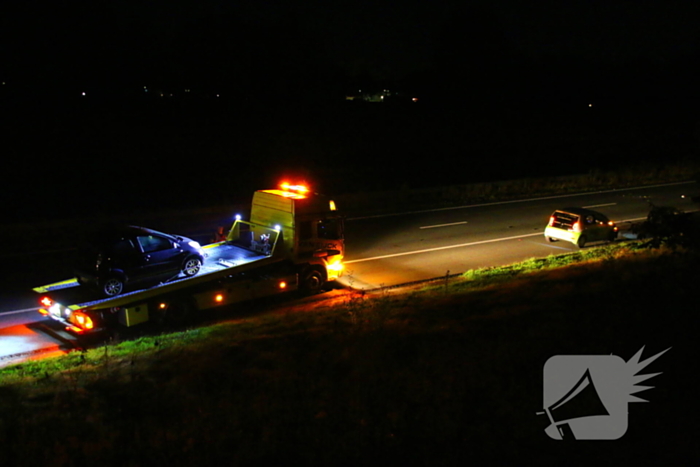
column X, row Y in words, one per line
column 435, row 376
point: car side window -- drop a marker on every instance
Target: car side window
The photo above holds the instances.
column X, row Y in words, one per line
column 151, row 243
column 122, row 247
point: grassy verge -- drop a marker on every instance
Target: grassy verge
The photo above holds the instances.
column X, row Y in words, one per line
column 441, row 375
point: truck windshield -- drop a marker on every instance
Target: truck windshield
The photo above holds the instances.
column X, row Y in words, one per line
column 330, row 229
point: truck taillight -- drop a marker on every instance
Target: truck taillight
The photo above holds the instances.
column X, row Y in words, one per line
column 576, row 227
column 83, row 320
column 551, row 221
column 46, row 301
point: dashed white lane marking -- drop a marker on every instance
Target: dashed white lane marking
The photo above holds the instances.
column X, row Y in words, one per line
column 442, row 225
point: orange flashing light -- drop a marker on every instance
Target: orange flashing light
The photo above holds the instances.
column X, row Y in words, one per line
column 283, row 285
column 83, row 320
column 46, row 301
column 298, row 188
column 219, row 298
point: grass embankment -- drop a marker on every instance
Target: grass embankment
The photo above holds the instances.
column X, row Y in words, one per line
column 446, row 374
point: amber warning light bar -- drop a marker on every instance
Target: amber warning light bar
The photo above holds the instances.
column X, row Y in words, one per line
column 290, row 191
column 301, row 189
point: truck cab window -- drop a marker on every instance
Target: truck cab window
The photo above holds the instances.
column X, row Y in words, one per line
column 330, row 229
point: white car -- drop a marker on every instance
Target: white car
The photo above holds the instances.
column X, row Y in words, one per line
column 580, row 226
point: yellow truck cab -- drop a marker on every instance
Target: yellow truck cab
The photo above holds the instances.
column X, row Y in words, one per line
column 310, row 228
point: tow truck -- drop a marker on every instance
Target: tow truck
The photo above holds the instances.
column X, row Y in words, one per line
column 292, row 241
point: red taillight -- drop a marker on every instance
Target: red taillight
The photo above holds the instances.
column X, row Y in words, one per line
column 576, row 227
column 83, row 320
column 551, row 221
column 46, row 301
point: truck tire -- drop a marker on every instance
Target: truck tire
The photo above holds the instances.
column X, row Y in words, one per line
column 312, row 281
column 581, row 241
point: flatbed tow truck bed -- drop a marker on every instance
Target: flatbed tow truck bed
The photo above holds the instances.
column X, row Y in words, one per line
column 293, row 241
column 220, row 256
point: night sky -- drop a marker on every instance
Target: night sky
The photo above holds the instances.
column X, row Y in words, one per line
column 576, row 47
column 540, row 84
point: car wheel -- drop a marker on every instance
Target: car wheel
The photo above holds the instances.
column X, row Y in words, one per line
column 581, row 241
column 112, row 286
column 612, row 237
column 313, row 281
column 192, row 266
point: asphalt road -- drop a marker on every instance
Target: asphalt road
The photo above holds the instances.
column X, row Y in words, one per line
column 394, row 249
column 381, row 250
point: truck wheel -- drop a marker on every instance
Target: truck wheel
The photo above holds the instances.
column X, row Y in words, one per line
column 192, row 266
column 552, row 239
column 312, row 281
column 112, row 286
column 581, row 241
